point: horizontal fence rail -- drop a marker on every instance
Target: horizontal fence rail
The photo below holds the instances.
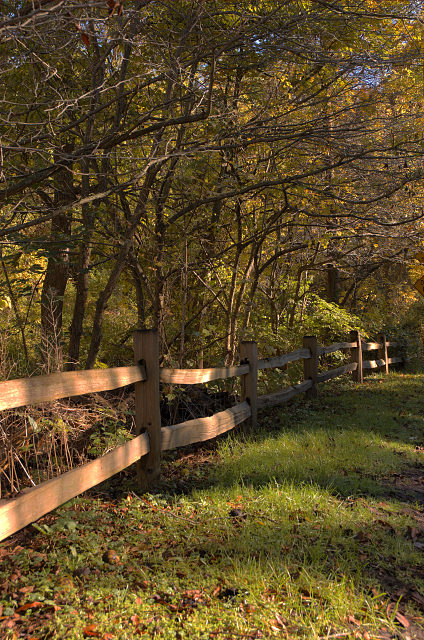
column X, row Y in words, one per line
column 371, row 346
column 201, row 429
column 335, row 373
column 37, row 501
column 376, row 364
column 337, row 346
column 195, row 376
column 18, row 393
column 152, row 438
column 273, row 399
column 281, row 361
column 373, row 364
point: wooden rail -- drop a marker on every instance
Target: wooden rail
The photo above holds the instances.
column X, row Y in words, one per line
column 371, row 346
column 272, row 399
column 195, row 376
column 337, row 346
column 201, row 429
column 373, row 364
column 17, row 393
column 151, row 438
column 335, row 373
column 281, row 361
column 37, row 501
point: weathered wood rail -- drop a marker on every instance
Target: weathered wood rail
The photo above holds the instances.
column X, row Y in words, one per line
column 151, row 438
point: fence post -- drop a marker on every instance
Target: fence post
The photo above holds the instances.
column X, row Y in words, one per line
column 310, row 365
column 249, row 382
column 356, row 356
column 147, row 405
column 382, row 353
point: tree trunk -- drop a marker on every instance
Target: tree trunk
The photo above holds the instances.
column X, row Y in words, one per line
column 115, row 274
column 332, row 284
column 82, row 285
column 57, row 272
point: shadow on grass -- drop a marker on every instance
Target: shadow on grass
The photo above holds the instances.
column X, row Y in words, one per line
column 330, row 504
column 305, row 520
column 354, row 440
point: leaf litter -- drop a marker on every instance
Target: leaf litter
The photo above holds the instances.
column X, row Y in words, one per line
column 247, row 550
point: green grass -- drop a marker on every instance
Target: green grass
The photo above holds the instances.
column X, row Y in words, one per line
column 330, row 542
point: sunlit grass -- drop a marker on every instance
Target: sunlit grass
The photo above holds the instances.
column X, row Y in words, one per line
column 321, row 545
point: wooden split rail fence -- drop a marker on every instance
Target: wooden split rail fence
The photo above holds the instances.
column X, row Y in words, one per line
column 151, row 438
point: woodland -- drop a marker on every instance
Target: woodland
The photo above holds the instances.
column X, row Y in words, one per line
column 218, row 170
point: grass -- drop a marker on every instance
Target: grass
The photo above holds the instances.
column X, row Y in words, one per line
column 312, row 528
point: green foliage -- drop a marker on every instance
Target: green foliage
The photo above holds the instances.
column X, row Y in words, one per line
column 218, row 190
column 328, row 321
column 107, row 435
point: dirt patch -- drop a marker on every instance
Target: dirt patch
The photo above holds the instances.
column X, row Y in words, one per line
column 407, row 486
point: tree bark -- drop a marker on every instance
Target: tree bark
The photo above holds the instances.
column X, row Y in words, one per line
column 57, row 273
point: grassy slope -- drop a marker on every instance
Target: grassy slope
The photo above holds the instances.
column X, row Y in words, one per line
column 328, row 544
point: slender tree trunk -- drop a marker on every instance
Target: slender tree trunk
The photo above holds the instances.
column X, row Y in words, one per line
column 82, row 288
column 295, row 300
column 57, row 273
column 139, row 296
column 83, row 276
column 332, row 284
column 14, row 303
column 115, row 274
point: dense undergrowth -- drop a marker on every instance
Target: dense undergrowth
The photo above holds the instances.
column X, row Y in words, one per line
column 311, row 528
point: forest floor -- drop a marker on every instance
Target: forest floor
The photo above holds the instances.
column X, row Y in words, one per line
column 312, row 528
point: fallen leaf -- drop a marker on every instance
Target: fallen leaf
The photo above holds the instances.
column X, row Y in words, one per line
column 82, row 572
column 67, row 583
column 362, row 536
column 91, row 631
column 26, row 589
column 29, row 605
column 247, row 608
column 403, row 621
column 194, row 594
column 413, row 532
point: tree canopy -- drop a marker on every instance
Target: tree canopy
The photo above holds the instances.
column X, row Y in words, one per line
column 219, row 170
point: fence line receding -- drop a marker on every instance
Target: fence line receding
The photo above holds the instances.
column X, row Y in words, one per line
column 151, row 438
